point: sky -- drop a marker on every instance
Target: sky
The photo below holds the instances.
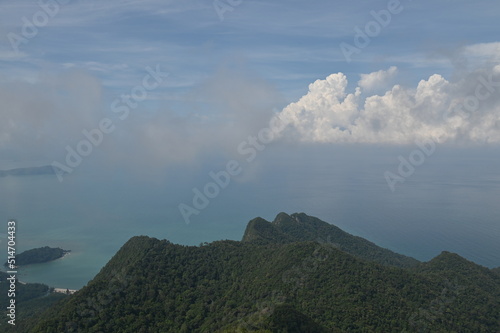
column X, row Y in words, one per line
column 368, row 72
column 176, row 89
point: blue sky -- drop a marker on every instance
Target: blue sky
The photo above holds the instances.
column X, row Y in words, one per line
column 219, row 53
column 290, row 43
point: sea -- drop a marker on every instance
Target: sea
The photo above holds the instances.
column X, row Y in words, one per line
column 448, row 200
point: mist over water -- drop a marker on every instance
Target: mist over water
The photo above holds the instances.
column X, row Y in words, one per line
column 450, row 203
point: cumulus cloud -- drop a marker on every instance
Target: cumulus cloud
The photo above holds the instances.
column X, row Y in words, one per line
column 466, row 110
column 377, row 80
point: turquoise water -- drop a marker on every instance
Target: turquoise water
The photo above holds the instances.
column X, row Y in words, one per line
column 449, row 203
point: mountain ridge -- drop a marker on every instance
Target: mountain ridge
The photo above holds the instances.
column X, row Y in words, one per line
column 301, row 227
column 271, row 283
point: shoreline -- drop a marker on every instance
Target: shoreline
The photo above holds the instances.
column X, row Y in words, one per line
column 68, row 252
column 65, row 291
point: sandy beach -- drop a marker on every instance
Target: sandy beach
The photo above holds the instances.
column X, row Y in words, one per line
column 65, row 291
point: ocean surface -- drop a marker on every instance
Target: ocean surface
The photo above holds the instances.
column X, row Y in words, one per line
column 450, row 202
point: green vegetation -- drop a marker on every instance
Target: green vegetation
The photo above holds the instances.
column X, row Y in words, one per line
column 301, row 227
column 31, row 300
column 39, row 255
column 270, row 283
column 285, row 318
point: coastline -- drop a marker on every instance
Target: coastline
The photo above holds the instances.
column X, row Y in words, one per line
column 68, row 252
column 65, row 291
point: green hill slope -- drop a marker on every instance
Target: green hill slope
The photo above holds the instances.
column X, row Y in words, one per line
column 301, row 227
column 31, row 299
column 268, row 283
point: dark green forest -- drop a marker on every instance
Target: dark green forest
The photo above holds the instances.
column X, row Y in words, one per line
column 32, row 299
column 295, row 274
column 39, row 255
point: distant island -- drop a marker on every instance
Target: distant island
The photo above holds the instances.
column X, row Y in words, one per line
column 39, row 255
column 31, row 171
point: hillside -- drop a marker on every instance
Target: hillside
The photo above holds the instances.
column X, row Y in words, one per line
column 276, row 285
column 300, row 227
column 31, row 299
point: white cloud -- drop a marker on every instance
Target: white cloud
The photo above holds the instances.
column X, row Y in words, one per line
column 376, row 80
column 484, row 51
column 467, row 110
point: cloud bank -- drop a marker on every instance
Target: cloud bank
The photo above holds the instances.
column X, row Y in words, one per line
column 464, row 111
column 41, row 118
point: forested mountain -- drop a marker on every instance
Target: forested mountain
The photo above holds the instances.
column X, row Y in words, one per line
column 301, row 227
column 279, row 279
column 30, row 300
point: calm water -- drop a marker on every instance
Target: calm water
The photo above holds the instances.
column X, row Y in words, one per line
column 451, row 203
